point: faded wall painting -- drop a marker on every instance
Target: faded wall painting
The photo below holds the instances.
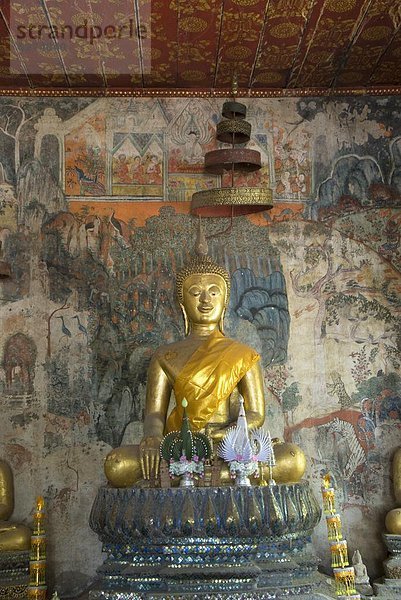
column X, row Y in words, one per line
column 138, row 165
column 85, row 158
column 94, row 220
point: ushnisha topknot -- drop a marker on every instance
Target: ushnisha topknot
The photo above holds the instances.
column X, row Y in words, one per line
column 199, row 265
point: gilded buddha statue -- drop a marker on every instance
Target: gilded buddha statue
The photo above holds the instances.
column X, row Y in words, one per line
column 13, row 536
column 393, row 517
column 209, row 370
column 389, row 586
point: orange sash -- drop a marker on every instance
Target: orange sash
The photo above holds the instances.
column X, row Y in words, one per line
column 208, row 378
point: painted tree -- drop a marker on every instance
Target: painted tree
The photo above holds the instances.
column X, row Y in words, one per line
column 380, row 386
column 13, row 118
column 380, row 341
column 291, row 398
column 16, row 114
column 323, row 264
column 361, row 369
column 328, row 263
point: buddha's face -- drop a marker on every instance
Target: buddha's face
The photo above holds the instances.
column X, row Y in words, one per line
column 204, row 298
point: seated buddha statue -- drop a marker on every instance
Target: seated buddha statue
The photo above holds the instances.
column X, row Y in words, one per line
column 393, row 517
column 13, row 536
column 206, row 368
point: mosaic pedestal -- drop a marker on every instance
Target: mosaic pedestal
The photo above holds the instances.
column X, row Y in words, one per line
column 222, row 542
column 14, row 574
column 389, row 588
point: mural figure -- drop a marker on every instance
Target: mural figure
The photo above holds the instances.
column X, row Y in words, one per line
column 192, row 149
column 121, row 169
column 395, row 177
column 393, row 236
column 137, row 166
column 19, row 361
column 85, row 159
column 367, row 423
column 152, row 169
column 192, row 135
column 291, row 162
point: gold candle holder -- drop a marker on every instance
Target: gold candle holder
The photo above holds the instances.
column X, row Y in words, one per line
column 38, row 517
column 339, row 553
column 37, row 589
column 37, row 573
column 38, row 547
column 344, row 575
column 345, row 581
column 326, row 481
column 328, row 501
column 37, row 593
column 334, row 532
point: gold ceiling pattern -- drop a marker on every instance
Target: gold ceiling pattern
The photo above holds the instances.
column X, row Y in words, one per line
column 200, row 45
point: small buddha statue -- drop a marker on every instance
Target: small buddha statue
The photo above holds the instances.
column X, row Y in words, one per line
column 206, row 368
column 362, row 583
column 361, row 573
column 13, row 536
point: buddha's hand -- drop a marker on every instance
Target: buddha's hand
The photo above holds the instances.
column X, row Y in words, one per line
column 149, row 449
column 216, row 431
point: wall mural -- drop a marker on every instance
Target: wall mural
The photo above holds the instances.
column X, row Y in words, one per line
column 94, row 219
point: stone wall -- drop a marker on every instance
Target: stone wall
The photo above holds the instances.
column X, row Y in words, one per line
column 94, row 198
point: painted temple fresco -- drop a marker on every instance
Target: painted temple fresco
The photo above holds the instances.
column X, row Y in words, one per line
column 94, row 220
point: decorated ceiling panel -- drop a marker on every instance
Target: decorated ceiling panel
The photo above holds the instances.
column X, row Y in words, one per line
column 274, row 62
column 200, row 46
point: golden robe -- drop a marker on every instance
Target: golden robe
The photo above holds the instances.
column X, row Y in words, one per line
column 208, row 378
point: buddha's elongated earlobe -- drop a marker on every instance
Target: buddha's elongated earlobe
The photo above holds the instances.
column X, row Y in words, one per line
column 186, row 322
column 221, row 322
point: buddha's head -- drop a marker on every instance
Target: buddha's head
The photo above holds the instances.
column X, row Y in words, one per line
column 203, row 290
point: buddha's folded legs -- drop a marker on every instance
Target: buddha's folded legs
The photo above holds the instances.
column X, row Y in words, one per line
column 123, row 467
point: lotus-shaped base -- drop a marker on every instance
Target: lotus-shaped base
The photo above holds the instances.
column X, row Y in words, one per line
column 205, row 539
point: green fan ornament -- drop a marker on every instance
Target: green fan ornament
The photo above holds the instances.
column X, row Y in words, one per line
column 186, row 451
